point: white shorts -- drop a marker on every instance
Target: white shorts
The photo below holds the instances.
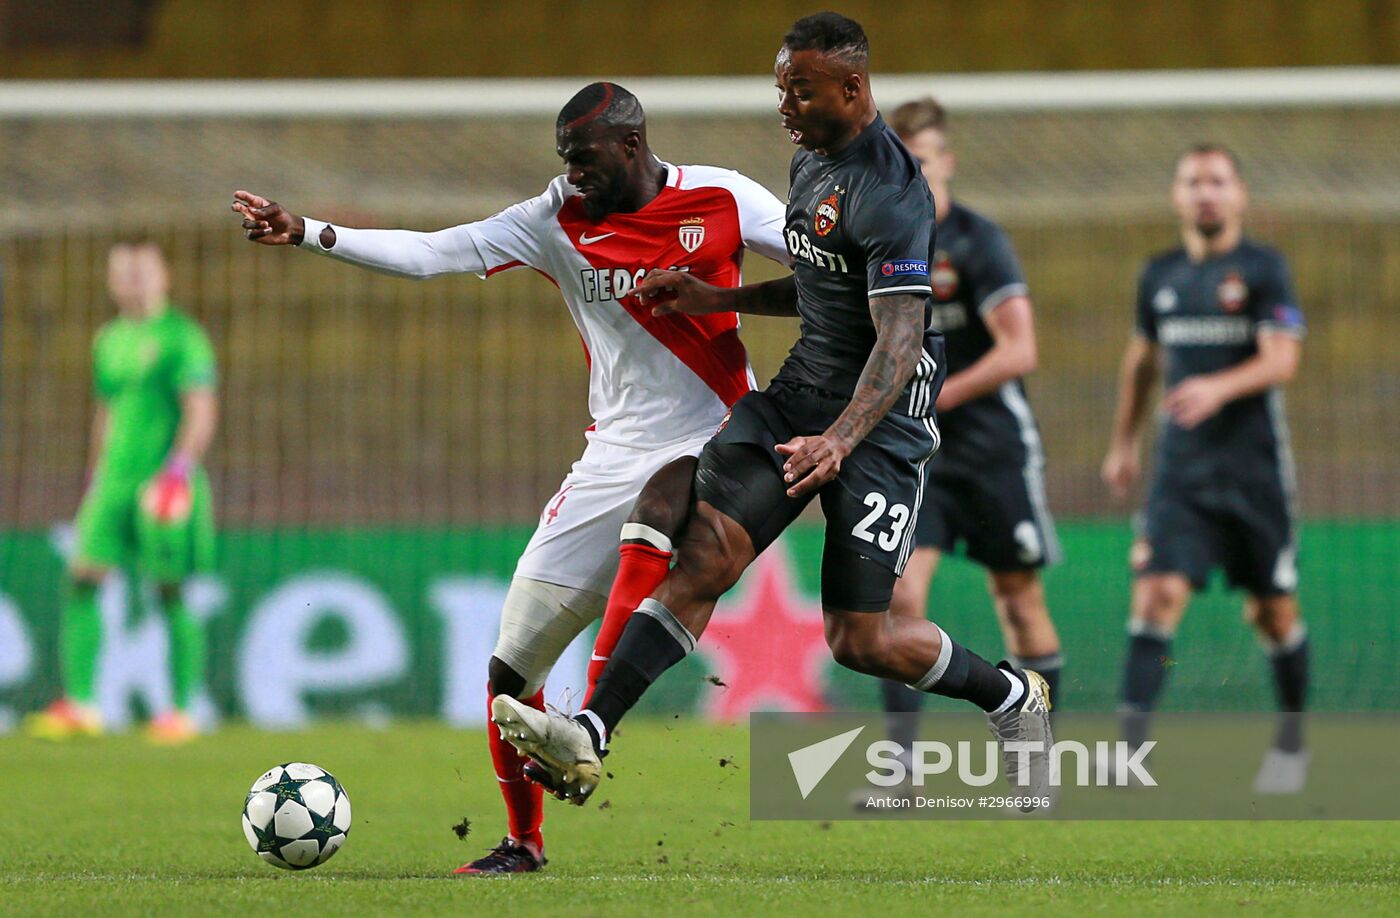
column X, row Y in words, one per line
column 575, row 544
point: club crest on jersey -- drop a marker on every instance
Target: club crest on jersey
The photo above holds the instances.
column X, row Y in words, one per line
column 1232, row 292
column 828, row 212
column 692, row 233
column 943, row 278
column 1164, row 300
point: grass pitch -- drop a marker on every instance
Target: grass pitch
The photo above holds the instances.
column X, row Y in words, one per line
column 117, row 827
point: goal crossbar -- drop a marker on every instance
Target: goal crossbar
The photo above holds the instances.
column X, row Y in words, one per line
column 699, row 96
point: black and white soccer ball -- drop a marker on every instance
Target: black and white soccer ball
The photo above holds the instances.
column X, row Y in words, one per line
column 296, row 816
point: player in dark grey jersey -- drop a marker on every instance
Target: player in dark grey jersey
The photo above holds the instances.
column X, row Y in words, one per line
column 985, row 488
column 848, row 420
column 1220, row 313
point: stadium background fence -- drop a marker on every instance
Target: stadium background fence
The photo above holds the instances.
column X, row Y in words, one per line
column 401, row 432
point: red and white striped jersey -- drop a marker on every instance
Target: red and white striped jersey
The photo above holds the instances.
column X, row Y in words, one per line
column 652, row 380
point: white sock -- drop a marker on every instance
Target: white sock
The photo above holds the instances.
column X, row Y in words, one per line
column 596, row 723
column 1018, row 691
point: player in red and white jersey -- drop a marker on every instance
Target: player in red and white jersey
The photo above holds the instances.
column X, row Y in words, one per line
column 658, row 385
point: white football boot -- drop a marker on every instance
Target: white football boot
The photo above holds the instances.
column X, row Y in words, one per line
column 559, row 743
column 1028, row 722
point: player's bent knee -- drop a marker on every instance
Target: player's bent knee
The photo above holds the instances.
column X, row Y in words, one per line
column 845, row 649
column 705, row 569
column 1273, row 616
column 502, row 680
column 859, row 646
column 859, row 656
column 1021, row 614
column 714, row 552
column 1019, row 598
column 655, row 513
column 1162, row 599
column 539, row 620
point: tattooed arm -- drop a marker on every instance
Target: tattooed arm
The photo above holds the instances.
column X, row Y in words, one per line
column 770, row 298
column 899, row 335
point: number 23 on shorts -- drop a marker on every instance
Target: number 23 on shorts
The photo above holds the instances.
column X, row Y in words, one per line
column 899, row 519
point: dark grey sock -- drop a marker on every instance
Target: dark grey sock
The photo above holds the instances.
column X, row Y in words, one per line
column 1149, row 656
column 960, row 673
column 1290, row 665
column 651, row 643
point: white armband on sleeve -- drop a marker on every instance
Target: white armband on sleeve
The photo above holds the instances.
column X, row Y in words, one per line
column 402, row 253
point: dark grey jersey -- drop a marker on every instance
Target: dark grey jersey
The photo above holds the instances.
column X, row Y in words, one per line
column 974, row 270
column 859, row 225
column 1206, row 317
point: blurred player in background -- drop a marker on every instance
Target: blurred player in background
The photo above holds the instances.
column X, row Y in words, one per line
column 848, row 419
column 658, row 385
column 985, row 487
column 1220, row 312
column 147, row 506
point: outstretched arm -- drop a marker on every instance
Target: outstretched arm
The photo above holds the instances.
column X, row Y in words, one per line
column 403, row 253
column 770, row 298
column 899, row 335
column 680, row 291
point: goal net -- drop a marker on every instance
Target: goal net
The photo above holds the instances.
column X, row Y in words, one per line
column 420, row 427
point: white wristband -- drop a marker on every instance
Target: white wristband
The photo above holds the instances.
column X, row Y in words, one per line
column 311, row 240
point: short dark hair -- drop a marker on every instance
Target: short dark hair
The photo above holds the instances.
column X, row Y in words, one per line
column 605, row 104
column 1210, row 147
column 919, row 115
column 833, row 34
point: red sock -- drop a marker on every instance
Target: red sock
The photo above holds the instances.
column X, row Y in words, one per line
column 639, row 573
column 524, row 799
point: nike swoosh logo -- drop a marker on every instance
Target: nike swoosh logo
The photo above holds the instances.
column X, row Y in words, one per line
column 597, row 659
column 585, row 239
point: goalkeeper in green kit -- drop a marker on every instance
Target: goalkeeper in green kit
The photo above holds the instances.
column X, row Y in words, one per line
column 147, row 507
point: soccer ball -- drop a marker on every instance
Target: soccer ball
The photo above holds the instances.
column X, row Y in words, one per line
column 296, row 816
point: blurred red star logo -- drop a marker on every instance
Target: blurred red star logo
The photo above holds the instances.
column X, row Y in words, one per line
column 767, row 644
